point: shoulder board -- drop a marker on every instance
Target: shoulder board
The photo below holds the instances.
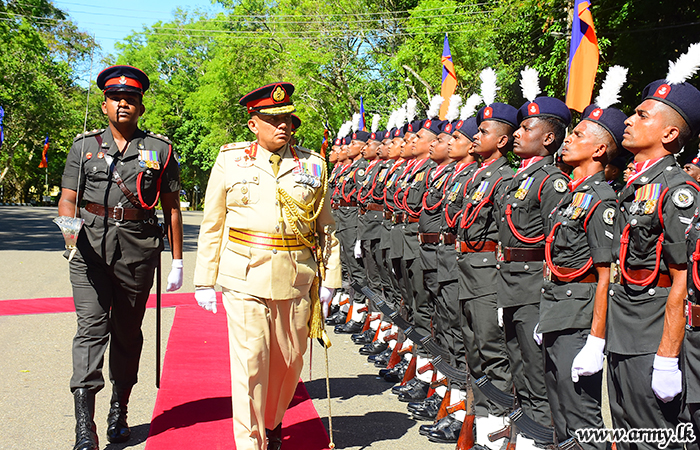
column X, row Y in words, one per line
column 674, row 176
column 158, row 136
column 235, row 146
column 89, row 133
column 308, row 153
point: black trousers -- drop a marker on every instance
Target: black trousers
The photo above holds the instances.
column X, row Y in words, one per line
column 573, row 405
column 356, row 272
column 110, row 302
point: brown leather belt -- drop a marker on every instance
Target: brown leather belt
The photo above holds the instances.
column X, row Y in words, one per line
column 351, row 203
column 692, row 314
column 429, row 238
column 410, row 219
column 398, row 217
column 589, row 277
column 448, row 238
column 334, row 204
column 475, row 246
column 370, row 207
column 515, row 254
column 119, row 213
column 662, row 280
column 388, row 215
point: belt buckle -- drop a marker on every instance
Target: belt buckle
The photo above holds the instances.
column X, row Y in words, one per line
column 615, row 274
column 500, row 257
column 458, row 246
column 547, row 272
column 120, row 208
column 441, row 238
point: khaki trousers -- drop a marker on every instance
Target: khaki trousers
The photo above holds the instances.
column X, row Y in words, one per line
column 267, row 342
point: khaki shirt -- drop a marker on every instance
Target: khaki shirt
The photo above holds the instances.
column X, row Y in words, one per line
column 242, row 195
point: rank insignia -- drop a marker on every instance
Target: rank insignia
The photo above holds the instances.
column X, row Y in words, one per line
column 560, row 185
column 278, row 94
column 682, row 198
column 524, row 188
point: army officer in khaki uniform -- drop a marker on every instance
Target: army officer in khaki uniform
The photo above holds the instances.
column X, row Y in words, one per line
column 267, row 233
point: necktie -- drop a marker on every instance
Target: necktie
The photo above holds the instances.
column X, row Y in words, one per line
column 275, row 163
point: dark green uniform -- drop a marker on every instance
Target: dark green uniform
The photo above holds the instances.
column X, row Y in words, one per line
column 112, row 271
column 582, row 238
column 522, row 211
column 370, row 198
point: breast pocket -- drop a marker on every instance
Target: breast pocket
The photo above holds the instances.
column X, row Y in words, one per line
column 303, row 193
column 244, row 191
column 96, row 170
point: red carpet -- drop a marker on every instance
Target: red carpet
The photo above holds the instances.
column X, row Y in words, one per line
column 65, row 304
column 193, row 408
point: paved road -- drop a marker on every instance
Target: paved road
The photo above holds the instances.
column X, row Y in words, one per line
column 35, row 403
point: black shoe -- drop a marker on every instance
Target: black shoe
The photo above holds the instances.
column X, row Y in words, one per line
column 381, row 360
column 117, row 429
column 337, row 318
column 274, row 438
column 85, row 429
column 333, row 309
column 398, row 367
column 349, row 327
column 427, row 409
column 425, row 430
column 364, row 337
column 448, row 434
column 396, row 374
column 401, row 389
column 417, row 392
column 374, row 348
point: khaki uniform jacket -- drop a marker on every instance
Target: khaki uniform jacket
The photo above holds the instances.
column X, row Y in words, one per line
column 242, row 195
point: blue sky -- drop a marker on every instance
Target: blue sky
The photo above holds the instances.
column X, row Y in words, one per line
column 110, row 23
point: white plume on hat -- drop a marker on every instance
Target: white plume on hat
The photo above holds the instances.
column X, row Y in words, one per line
column 411, row 105
column 685, row 66
column 453, row 107
column 400, row 117
column 390, row 121
column 434, row 107
column 375, row 123
column 610, row 90
column 530, row 83
column 469, row 108
column 345, row 129
column 356, row 122
column 488, row 85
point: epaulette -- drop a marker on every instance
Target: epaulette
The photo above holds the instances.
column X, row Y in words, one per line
column 89, row 133
column 159, row 136
column 311, row 153
column 235, row 146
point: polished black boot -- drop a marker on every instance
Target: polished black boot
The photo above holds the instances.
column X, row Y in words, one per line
column 374, row 348
column 117, row 428
column 349, row 327
column 337, row 318
column 363, row 338
column 427, row 409
column 85, row 429
column 274, row 438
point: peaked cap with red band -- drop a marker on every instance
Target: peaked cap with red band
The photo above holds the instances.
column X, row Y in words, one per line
column 500, row 112
column 271, row 99
column 123, row 79
column 296, row 122
column 684, row 98
column 545, row 107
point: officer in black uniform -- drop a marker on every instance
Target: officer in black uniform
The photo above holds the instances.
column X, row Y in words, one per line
column 523, row 208
column 645, row 325
column 119, row 174
column 691, row 342
column 578, row 256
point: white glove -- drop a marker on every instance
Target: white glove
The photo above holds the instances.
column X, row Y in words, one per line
column 206, row 298
column 536, row 335
column 326, row 295
column 589, row 360
column 666, row 380
column 175, row 276
column 500, row 317
column 358, row 249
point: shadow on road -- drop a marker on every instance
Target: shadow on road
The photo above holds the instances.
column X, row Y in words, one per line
column 363, row 431
column 139, row 433
column 346, row 388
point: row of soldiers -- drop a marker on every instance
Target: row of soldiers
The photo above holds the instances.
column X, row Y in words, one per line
column 528, row 277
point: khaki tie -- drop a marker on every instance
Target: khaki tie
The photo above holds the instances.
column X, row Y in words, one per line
column 275, row 160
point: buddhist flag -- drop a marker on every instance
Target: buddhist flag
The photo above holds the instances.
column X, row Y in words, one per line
column 363, row 122
column 449, row 78
column 324, row 143
column 583, row 58
column 44, row 160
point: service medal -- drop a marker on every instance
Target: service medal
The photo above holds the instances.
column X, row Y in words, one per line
column 634, row 207
column 649, row 206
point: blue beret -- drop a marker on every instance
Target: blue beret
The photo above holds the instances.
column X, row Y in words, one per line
column 545, row 107
column 361, row 136
column 450, row 127
column 338, row 141
column 413, row 127
column 435, row 126
column 467, row 127
column 271, row 99
column 683, row 97
column 499, row 112
column 347, row 139
column 123, row 79
column 612, row 119
column 378, row 136
column 397, row 133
